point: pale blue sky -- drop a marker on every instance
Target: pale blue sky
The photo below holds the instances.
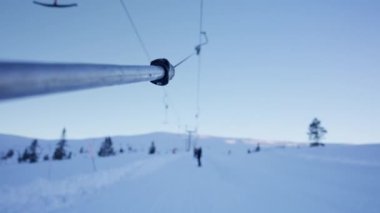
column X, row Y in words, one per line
column 270, row 67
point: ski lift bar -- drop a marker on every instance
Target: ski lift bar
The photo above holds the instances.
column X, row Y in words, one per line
column 22, row 79
column 55, row 4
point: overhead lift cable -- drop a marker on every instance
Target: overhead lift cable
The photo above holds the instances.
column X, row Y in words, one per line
column 145, row 49
column 198, row 50
column 203, row 40
column 142, row 43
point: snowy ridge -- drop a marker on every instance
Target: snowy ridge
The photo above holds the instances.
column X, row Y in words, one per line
column 167, row 141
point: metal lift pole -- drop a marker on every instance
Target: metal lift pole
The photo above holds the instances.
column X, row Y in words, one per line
column 22, row 79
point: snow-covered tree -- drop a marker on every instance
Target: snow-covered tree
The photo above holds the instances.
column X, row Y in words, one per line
column 316, row 133
column 258, row 148
column 60, row 152
column 8, row 155
column 107, row 148
column 30, row 153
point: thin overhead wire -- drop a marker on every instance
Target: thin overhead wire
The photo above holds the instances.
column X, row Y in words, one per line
column 198, row 50
column 203, row 40
column 185, row 59
column 166, row 105
column 145, row 49
column 146, row 52
column 201, row 23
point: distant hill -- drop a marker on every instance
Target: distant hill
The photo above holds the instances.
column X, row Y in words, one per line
column 141, row 142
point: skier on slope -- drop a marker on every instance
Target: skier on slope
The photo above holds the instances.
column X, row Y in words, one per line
column 152, row 148
column 198, row 155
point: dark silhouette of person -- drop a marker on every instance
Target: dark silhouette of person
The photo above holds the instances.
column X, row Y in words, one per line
column 152, row 148
column 257, row 148
column 198, row 155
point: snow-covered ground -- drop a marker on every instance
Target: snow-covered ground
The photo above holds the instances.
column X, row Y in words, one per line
column 336, row 178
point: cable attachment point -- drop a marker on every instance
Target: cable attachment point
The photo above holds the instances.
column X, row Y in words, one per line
column 198, row 47
column 168, row 71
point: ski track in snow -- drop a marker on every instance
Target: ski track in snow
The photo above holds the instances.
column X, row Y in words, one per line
column 52, row 195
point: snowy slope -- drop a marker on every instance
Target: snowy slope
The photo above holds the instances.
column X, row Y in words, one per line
column 337, row 178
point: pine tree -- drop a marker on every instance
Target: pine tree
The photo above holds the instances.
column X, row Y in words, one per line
column 30, row 153
column 258, row 148
column 106, row 148
column 316, row 133
column 60, row 152
column 8, row 155
column 33, row 152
